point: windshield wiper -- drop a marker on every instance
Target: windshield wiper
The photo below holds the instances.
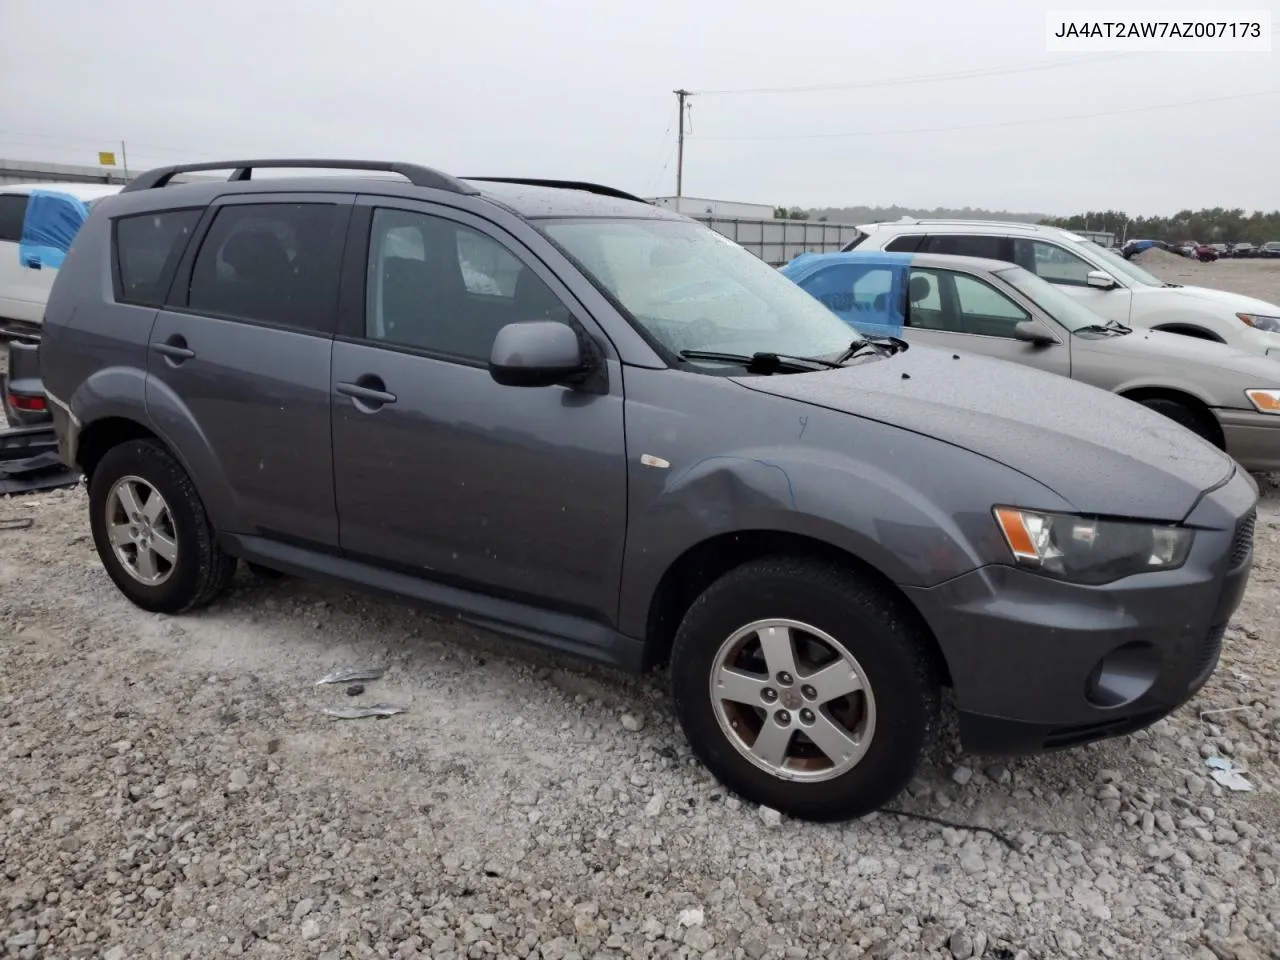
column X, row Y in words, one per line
column 885, row 346
column 1111, row 326
column 761, row 361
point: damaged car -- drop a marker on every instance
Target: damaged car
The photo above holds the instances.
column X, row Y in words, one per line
column 644, row 446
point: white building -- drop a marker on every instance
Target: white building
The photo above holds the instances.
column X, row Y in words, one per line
column 703, row 207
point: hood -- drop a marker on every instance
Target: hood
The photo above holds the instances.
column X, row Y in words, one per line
column 1101, row 453
column 1195, row 359
column 1235, row 302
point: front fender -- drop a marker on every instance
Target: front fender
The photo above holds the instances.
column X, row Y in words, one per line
column 1183, row 316
column 1158, row 383
column 913, row 507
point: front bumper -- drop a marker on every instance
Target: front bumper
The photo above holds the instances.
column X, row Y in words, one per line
column 1253, row 439
column 1038, row 664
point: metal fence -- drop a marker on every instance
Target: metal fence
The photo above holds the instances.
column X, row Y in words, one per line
column 780, row 241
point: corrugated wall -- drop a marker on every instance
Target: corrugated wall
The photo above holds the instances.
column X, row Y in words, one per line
column 778, row 242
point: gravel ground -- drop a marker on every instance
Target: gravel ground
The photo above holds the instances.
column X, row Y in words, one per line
column 172, row 789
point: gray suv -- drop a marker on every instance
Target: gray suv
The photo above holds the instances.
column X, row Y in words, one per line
column 567, row 415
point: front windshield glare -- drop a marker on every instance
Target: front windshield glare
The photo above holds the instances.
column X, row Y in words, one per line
column 692, row 289
column 1116, row 262
column 1063, row 308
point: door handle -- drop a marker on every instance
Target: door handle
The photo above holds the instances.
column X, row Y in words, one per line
column 174, row 349
column 367, row 391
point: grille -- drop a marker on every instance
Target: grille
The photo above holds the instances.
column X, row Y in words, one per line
column 1243, row 545
column 1207, row 659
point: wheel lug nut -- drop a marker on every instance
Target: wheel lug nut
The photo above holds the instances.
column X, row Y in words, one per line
column 806, row 715
column 785, row 678
column 769, row 694
column 808, row 692
column 783, row 718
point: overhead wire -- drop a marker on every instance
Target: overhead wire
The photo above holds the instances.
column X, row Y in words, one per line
column 993, row 124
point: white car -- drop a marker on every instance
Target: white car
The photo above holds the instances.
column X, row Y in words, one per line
column 37, row 223
column 1100, row 279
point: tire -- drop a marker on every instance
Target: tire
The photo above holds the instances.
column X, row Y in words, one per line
column 890, row 654
column 199, row 570
column 1198, row 422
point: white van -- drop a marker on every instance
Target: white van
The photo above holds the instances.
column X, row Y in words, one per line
column 37, row 223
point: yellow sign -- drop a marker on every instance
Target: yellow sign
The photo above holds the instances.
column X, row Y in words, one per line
column 106, row 158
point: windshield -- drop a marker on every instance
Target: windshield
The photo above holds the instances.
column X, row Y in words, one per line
column 1062, row 307
column 692, row 289
column 1114, row 261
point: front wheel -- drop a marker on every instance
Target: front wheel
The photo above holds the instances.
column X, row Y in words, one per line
column 805, row 688
column 1199, row 422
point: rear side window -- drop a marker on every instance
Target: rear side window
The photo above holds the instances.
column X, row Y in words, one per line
column 858, row 238
column 148, row 248
column 993, row 248
column 272, row 263
column 907, row 243
column 13, row 210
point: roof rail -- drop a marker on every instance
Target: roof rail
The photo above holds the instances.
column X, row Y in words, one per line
column 564, row 185
column 981, row 223
column 243, row 170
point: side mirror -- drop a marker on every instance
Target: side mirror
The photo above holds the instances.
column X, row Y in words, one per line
column 1031, row 332
column 535, row 353
column 1101, row 280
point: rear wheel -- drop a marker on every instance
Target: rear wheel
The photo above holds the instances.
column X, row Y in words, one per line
column 804, row 688
column 151, row 530
column 1199, row 422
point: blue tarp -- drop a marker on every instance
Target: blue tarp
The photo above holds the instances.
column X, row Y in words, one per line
column 866, row 290
column 52, row 222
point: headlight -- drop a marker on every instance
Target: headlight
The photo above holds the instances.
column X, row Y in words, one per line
column 1267, row 401
column 1261, row 321
column 1084, row 550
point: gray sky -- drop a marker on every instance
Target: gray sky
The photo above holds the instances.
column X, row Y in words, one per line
column 582, row 89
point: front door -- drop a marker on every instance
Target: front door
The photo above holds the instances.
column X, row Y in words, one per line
column 959, row 311
column 1069, row 272
column 440, row 471
column 238, row 365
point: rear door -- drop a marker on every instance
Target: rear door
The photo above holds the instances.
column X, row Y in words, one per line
column 867, row 296
column 239, row 359
column 960, row 311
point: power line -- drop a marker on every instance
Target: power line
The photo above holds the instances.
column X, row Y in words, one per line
column 988, row 126
column 971, row 74
column 661, row 149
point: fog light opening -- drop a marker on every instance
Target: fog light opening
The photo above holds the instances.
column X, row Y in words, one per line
column 1122, row 676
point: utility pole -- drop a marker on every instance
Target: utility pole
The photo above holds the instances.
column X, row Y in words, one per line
column 681, row 96
column 124, row 160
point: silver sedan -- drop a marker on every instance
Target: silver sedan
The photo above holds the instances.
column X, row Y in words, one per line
column 1230, row 398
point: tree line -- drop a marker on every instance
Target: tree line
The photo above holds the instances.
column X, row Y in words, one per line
column 1217, row 225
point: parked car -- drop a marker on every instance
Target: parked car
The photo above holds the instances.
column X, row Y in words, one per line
column 1230, row 398
column 1243, row 250
column 22, row 399
column 38, row 221
column 1270, row 249
column 1104, row 282
column 814, row 529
